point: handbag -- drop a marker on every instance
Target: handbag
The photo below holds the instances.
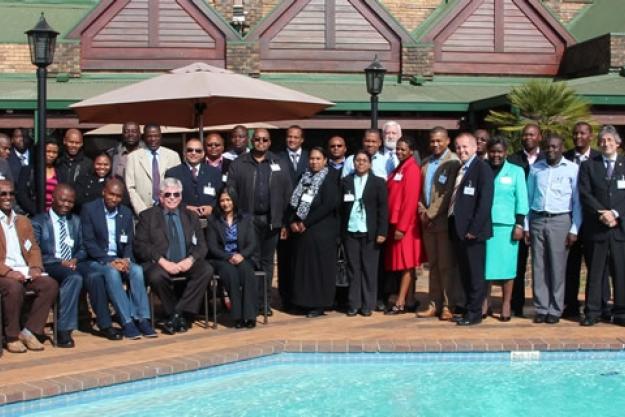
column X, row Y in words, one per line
column 341, row 267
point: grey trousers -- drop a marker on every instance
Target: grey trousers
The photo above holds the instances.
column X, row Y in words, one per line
column 549, row 254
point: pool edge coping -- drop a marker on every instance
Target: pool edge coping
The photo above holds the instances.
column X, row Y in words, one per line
column 82, row 381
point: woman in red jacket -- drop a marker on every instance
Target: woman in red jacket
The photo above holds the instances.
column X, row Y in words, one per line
column 403, row 247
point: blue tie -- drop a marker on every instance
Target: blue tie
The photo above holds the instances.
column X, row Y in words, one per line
column 66, row 251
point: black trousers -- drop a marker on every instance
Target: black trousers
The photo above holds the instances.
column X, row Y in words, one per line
column 605, row 255
column 573, row 269
column 267, row 239
column 242, row 287
column 285, row 252
column 471, row 264
column 362, row 271
column 518, row 290
column 198, row 278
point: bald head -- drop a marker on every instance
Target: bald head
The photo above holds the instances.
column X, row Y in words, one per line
column 72, row 142
column 63, row 199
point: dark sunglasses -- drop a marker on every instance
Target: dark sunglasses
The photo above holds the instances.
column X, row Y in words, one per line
column 169, row 195
column 264, row 140
column 7, row 193
column 195, row 150
column 213, row 145
column 336, row 146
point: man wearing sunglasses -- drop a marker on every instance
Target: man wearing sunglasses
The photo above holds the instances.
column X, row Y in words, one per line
column 336, row 152
column 169, row 242
column 215, row 157
column 200, row 181
column 263, row 182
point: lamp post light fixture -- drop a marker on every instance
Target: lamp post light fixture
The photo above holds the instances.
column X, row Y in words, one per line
column 374, row 75
column 42, row 41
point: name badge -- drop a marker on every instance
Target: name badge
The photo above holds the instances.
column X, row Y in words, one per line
column 123, row 238
column 348, row 198
column 69, row 242
column 398, row 176
column 27, row 245
column 275, row 167
column 224, row 178
column 442, row 179
column 193, row 240
column 505, row 180
column 620, row 184
column 469, row 190
column 208, row 190
column 307, row 198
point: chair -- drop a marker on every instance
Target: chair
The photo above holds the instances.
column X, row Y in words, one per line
column 177, row 280
column 259, row 275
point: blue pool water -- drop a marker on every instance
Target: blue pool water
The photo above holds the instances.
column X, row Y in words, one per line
column 365, row 385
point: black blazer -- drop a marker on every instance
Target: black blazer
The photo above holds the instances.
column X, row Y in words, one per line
column 302, row 164
column 193, row 188
column 151, row 241
column 472, row 213
column 216, row 238
column 570, row 154
column 16, row 164
column 375, row 201
column 598, row 193
column 519, row 158
column 95, row 231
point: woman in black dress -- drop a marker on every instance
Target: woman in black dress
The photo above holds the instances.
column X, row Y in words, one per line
column 314, row 226
column 89, row 187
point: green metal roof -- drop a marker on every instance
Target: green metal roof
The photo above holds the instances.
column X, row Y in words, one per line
column 18, row 16
column 598, row 18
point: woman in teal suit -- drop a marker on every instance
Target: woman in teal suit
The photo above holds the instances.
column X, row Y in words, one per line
column 510, row 206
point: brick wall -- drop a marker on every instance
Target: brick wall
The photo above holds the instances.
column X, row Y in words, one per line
column 268, row 5
column 417, row 60
column 411, row 13
column 617, row 49
column 15, row 58
column 243, row 58
column 566, row 9
column 66, row 59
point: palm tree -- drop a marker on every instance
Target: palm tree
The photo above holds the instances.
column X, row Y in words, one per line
column 554, row 106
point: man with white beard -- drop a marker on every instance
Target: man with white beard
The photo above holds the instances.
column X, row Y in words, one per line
column 391, row 134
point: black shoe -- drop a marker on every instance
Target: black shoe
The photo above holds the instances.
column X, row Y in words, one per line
column 456, row 319
column 169, row 327
column 111, row 333
column 518, row 313
column 504, row 319
column 619, row 321
column 315, row 313
column 250, row 324
column 588, row 321
column 540, row 318
column 64, row 339
column 395, row 310
column 352, row 312
column 180, row 323
column 552, row 319
column 469, row 322
column 239, row 324
column 365, row 312
column 380, row 306
column 571, row 314
column 606, row 318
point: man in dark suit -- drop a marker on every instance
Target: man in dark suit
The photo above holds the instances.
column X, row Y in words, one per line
column 470, row 224
column 602, row 194
column 21, row 154
column 108, row 236
column 200, row 181
column 73, row 162
column 64, row 258
column 214, row 150
column 525, row 158
column 582, row 137
column 170, row 243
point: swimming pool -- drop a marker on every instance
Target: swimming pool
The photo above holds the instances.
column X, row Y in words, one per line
column 550, row 384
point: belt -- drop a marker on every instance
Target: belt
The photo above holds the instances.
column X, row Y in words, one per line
column 547, row 214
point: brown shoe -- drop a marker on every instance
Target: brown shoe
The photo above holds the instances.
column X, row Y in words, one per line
column 31, row 342
column 446, row 314
column 16, row 347
column 428, row 312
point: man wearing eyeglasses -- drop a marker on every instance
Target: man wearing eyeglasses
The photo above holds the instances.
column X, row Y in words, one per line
column 336, row 151
column 263, row 182
column 200, row 181
column 146, row 169
column 215, row 157
column 169, row 242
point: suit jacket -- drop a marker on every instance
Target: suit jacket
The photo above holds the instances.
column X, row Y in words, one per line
column 28, row 244
column 5, row 171
column 44, row 233
column 200, row 191
column 95, row 231
column 520, row 158
column 216, row 238
column 152, row 242
column 374, row 200
column 472, row 210
column 599, row 193
column 570, row 154
column 139, row 175
column 510, row 194
column 16, row 164
column 302, row 164
column 441, row 190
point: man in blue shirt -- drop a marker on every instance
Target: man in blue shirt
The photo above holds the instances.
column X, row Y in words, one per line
column 381, row 164
column 551, row 228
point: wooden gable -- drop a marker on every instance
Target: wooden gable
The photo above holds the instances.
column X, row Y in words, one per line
column 152, row 35
column 328, row 35
column 498, row 37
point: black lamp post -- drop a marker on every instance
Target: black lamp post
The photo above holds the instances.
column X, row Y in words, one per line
column 374, row 74
column 41, row 40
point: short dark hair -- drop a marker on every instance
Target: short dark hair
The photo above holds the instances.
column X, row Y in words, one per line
column 497, row 140
column 362, row 152
column 319, row 149
column 151, row 125
column 439, row 129
column 408, row 141
column 583, row 123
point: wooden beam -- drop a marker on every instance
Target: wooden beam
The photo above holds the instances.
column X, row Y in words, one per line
column 330, row 24
column 499, row 26
column 153, row 25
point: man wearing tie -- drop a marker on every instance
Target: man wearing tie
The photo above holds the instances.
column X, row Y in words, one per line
column 146, row 169
column 200, row 181
column 20, row 155
column 470, row 224
column 602, row 194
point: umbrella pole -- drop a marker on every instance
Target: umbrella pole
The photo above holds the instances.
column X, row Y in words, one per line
column 199, row 119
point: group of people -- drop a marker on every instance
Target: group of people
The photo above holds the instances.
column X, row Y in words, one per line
column 138, row 215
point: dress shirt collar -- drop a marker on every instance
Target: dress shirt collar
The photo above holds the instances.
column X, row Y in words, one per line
column 441, row 157
column 54, row 216
column 176, row 211
column 7, row 219
column 297, row 152
column 467, row 164
column 583, row 156
column 611, row 158
column 110, row 213
column 216, row 163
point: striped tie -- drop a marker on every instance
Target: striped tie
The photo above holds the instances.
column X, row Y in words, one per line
column 66, row 251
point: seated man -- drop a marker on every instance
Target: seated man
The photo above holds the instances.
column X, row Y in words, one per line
column 107, row 229
column 170, row 243
column 20, row 270
column 64, row 256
